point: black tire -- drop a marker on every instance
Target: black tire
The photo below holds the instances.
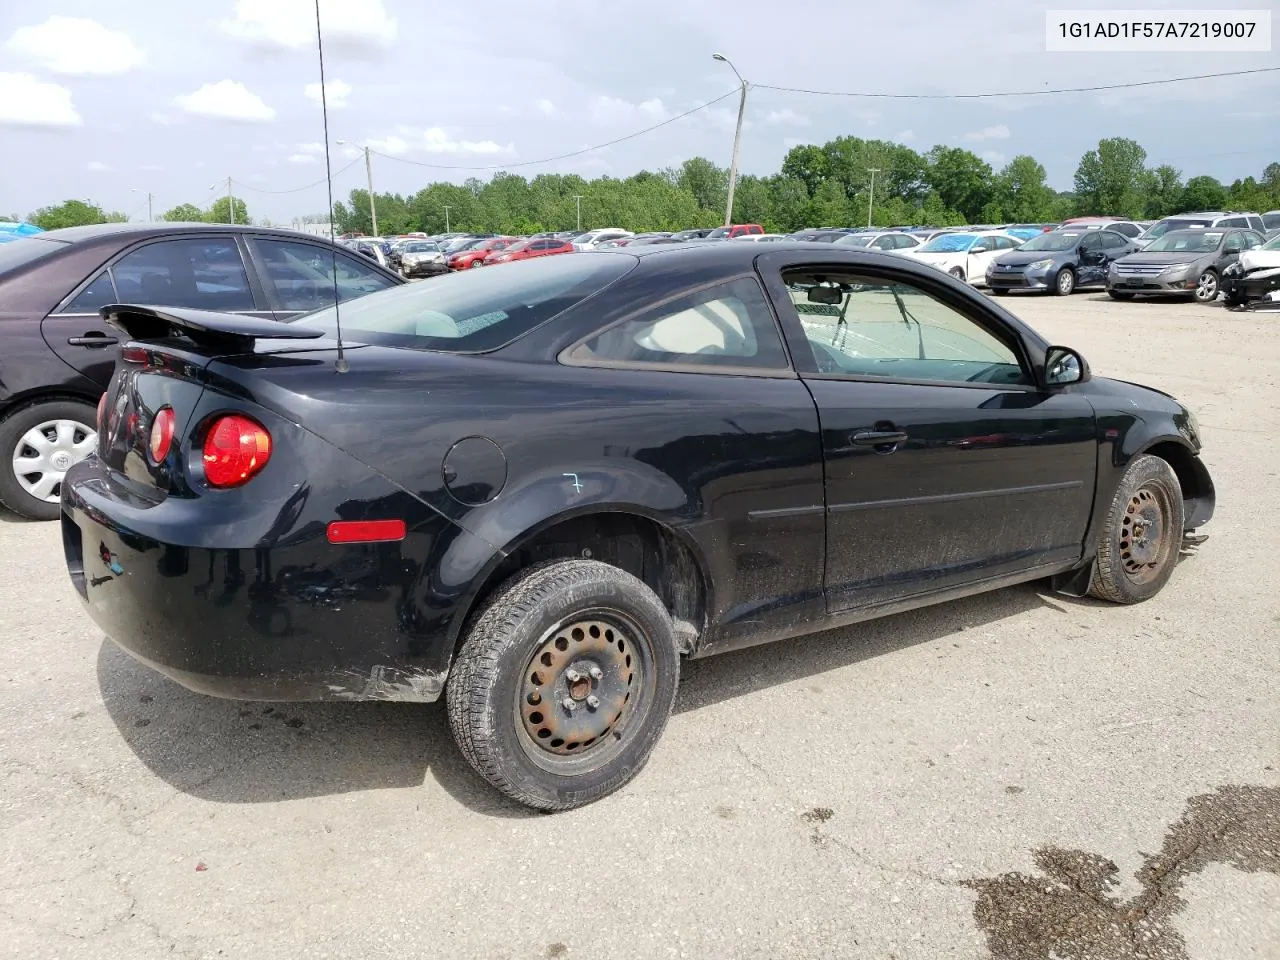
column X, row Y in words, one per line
column 958, row 274
column 1000, row 291
column 1129, row 568
column 524, row 643
column 1064, row 282
column 1120, row 294
column 12, row 430
column 1207, row 287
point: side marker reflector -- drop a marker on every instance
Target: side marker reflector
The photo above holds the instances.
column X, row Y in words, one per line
column 366, row 531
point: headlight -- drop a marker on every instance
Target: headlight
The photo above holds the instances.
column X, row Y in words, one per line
column 1175, row 268
column 1233, row 269
column 1040, row 265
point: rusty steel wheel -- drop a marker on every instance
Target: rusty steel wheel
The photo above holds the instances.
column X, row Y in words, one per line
column 578, row 690
column 1138, row 547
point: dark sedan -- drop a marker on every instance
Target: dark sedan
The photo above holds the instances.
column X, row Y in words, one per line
column 1182, row 262
column 58, row 354
column 1059, row 262
column 533, row 490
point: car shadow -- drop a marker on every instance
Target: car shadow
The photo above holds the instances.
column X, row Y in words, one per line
column 229, row 751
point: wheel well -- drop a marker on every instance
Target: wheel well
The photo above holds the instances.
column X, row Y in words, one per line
column 1190, row 472
column 31, row 398
column 641, row 546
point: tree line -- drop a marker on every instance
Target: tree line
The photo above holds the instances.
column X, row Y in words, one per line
column 827, row 185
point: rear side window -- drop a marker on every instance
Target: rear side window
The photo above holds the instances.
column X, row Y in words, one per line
column 475, row 310
column 726, row 325
column 207, row 274
column 1128, row 229
column 302, row 274
column 1111, row 241
column 95, row 296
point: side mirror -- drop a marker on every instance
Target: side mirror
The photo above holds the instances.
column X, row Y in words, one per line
column 1062, row 366
column 1232, row 248
column 980, row 250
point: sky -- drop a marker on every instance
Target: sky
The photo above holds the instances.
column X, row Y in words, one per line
column 108, row 102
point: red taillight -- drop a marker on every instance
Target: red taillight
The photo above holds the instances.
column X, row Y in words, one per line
column 133, row 355
column 161, row 434
column 235, row 449
column 102, row 413
column 365, row 531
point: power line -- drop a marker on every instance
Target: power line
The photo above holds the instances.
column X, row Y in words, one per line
column 307, row 186
column 1011, row 93
column 563, row 156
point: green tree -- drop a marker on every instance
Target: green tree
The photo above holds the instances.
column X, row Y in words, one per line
column 1109, row 180
column 183, row 213
column 963, row 180
column 73, row 213
column 1162, row 191
column 808, row 164
column 1203, row 193
column 1021, row 191
column 221, row 212
column 708, row 183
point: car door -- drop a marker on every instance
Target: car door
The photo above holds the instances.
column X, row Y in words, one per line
column 982, row 252
column 1114, row 246
column 299, row 276
column 1234, row 243
column 946, row 464
column 1091, row 260
column 205, row 272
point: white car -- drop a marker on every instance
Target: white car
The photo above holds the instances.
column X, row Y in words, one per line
column 891, row 241
column 965, row 254
column 758, row 237
column 1256, row 258
column 592, row 239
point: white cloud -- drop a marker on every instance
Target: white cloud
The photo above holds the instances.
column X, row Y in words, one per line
column 994, row 157
column 336, row 92
column 152, row 168
column 788, row 117
column 615, row 110
column 312, row 149
column 546, row 108
column 791, row 143
column 161, row 118
column 433, row 140
column 96, row 166
column 226, row 100
column 998, row 132
column 904, row 136
column 76, row 47
column 28, row 102
column 352, row 28
column 302, row 158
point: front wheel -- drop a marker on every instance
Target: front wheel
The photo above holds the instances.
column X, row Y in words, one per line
column 564, row 684
column 477, row 262
column 958, row 274
column 1120, row 294
column 1065, row 284
column 39, row 444
column 1139, row 544
column 1207, row 287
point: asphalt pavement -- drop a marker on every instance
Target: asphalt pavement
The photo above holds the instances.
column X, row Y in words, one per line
column 1016, row 775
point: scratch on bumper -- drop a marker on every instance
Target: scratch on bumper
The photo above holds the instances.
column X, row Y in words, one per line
column 392, row 684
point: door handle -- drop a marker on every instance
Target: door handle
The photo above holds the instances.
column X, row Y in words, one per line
column 92, row 340
column 879, row 438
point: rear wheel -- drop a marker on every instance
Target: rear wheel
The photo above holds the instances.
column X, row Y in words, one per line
column 39, row 444
column 477, row 262
column 1065, row 283
column 1000, row 291
column 957, row 273
column 1207, row 287
column 564, row 684
column 1139, row 545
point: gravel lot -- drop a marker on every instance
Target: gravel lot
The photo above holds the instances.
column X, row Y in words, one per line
column 946, row 783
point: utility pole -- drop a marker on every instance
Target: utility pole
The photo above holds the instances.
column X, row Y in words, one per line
column 368, row 173
column 578, row 199
column 446, row 219
column 871, row 195
column 150, row 201
column 231, row 198
column 737, row 137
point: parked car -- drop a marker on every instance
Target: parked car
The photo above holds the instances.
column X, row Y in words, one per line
column 1271, row 220
column 759, row 237
column 1254, row 276
column 376, row 250
column 1059, row 262
column 478, row 253
column 1182, row 262
column 1210, row 220
column 645, row 241
column 530, row 249
column 59, row 354
column 697, row 234
column 818, row 236
column 1129, row 228
column 733, row 230
column 421, row 258
column 964, row 255
column 593, row 238
column 889, row 240
column 544, row 558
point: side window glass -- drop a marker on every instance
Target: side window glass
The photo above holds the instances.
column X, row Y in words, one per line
column 207, row 274
column 96, row 295
column 1111, row 241
column 864, row 327
column 729, row 324
column 1233, row 222
column 1091, row 243
column 302, row 274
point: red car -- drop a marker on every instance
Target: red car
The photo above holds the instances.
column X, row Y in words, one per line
column 475, row 256
column 527, row 249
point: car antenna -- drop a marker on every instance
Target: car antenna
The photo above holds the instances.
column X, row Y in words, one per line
column 341, row 365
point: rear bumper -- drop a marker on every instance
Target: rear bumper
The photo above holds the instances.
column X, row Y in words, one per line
column 293, row 617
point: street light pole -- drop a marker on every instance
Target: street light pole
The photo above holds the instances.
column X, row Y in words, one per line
column 737, row 137
column 578, row 199
column 150, row 199
column 871, row 195
column 368, row 172
column 446, row 219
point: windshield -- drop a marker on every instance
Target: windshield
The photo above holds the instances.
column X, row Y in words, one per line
column 1271, row 220
column 949, row 243
column 476, row 310
column 1273, row 244
column 420, row 246
column 516, row 247
column 1189, row 241
column 1052, row 241
column 719, row 233
column 1164, row 226
column 854, row 240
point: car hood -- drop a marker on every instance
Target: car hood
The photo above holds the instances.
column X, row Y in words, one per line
column 1165, row 258
column 1136, row 399
column 1257, row 259
column 934, row 257
column 1019, row 258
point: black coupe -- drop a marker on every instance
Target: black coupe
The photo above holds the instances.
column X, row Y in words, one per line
column 533, row 490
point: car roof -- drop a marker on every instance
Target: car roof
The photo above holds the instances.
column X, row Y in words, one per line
column 98, row 230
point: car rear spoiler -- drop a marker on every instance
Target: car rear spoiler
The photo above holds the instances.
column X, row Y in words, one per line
column 223, row 331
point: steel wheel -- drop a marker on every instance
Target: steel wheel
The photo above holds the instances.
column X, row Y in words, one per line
column 1145, row 540
column 45, row 453
column 582, row 684
column 1207, row 287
